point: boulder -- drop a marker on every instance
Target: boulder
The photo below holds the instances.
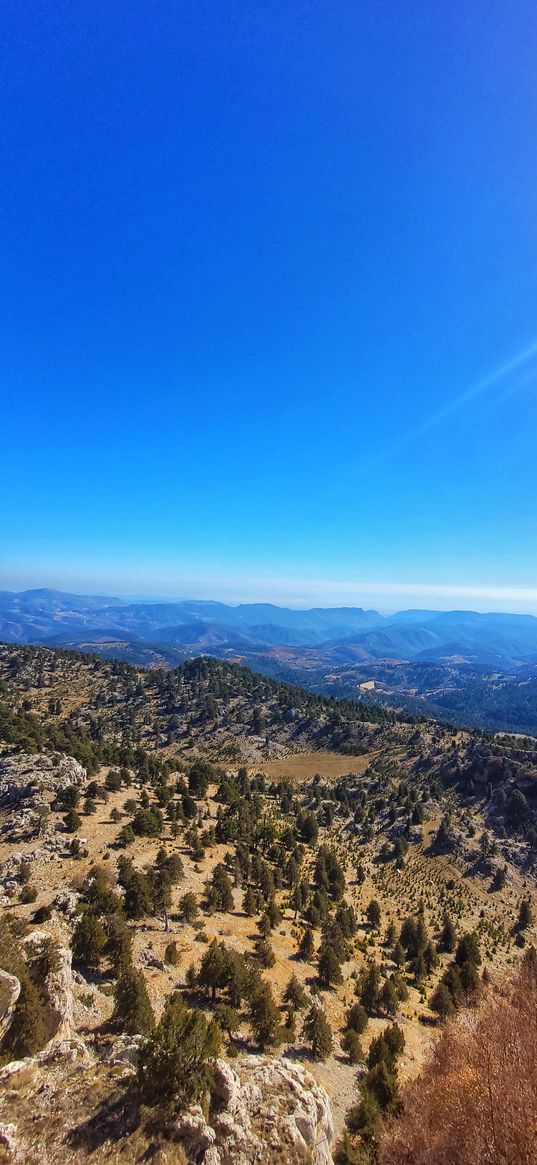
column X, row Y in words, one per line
column 125, row 1050
column 262, row 1108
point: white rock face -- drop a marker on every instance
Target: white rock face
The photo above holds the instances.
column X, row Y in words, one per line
column 24, row 776
column 8, row 1142
column 59, row 986
column 125, row 1050
column 9, row 993
column 70, row 1051
column 260, row 1107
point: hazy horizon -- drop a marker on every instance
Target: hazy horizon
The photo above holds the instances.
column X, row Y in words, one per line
column 279, row 593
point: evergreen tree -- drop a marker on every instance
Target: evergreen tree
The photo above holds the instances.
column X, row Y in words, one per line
column 171, row 954
column 382, row 1083
column 398, row 954
column 72, row 821
column 264, row 953
column 118, row 942
column 388, row 1000
column 177, row 1060
column 132, row 1009
column 188, row 907
column 369, row 995
column 318, row 1033
column 373, row 914
column 89, row 940
column 264, row 1016
column 364, row 1119
column 305, row 946
column 28, row 1031
column 329, row 967
column 356, row 1018
column 350, row 1043
column 249, row 902
column 525, row 914
column 442, row 1001
column 214, row 968
column 227, row 1017
column 295, row 994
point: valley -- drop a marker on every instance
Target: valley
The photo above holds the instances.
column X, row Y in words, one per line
column 461, row 666
column 286, row 863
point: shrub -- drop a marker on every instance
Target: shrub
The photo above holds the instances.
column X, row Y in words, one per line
column 177, row 1060
column 132, row 1009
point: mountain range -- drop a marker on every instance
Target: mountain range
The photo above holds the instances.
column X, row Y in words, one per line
column 343, row 635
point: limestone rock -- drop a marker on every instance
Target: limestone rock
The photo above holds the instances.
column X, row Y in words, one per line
column 26, row 777
column 9, row 993
column 125, row 1050
column 148, row 959
column 66, row 902
column 193, row 1131
column 261, row 1108
column 59, row 986
column 8, row 1142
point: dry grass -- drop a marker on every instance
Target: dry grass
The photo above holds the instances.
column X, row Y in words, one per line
column 304, row 765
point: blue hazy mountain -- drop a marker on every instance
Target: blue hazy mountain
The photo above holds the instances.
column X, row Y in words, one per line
column 190, row 625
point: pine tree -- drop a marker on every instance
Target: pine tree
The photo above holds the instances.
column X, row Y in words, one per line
column 28, row 1031
column 188, row 907
column 382, row 1083
column 350, row 1043
column 373, row 914
column 369, row 995
column 177, row 1060
column 442, row 1001
column 388, row 1000
column 71, row 821
column 249, row 902
column 318, row 1033
column 264, row 1016
column 228, row 1018
column 213, row 968
column 171, row 954
column 132, row 1008
column 329, row 967
column 525, row 914
column 295, row 994
column 89, row 940
column 398, row 954
column 356, row 1018
column 118, row 942
column 305, row 946
column 264, row 953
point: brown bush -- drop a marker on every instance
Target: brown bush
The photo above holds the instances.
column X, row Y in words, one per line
column 476, row 1101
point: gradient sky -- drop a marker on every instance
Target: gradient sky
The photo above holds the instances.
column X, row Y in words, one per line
column 269, row 299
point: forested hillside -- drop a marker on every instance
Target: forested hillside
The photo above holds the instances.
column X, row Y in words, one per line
column 219, row 887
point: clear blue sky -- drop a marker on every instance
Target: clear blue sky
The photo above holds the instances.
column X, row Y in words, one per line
column 269, row 299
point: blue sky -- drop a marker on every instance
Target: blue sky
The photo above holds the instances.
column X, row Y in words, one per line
column 269, row 300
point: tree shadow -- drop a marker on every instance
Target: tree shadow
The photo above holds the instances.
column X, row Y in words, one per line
column 115, row 1118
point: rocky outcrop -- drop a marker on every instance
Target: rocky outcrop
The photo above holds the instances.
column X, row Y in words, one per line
column 56, row 1052
column 9, row 1144
column 262, row 1108
column 9, row 993
column 125, row 1051
column 25, row 777
column 58, row 986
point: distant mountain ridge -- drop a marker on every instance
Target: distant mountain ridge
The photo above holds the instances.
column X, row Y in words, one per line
column 43, row 616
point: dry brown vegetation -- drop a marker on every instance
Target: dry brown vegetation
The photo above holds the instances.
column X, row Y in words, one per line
column 476, row 1101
